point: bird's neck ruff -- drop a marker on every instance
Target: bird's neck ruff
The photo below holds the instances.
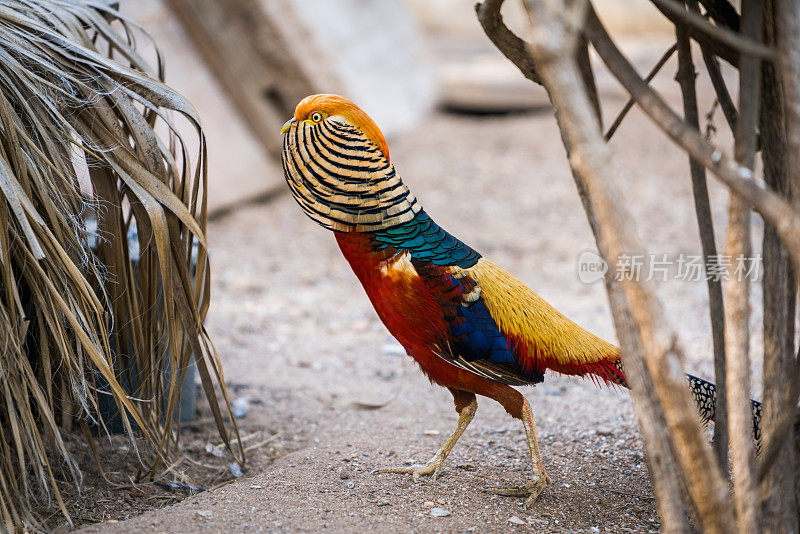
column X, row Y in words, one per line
column 342, row 180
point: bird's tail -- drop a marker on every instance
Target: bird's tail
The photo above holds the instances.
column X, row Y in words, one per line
column 705, row 397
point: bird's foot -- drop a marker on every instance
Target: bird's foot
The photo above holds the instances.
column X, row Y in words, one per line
column 432, row 468
column 532, row 489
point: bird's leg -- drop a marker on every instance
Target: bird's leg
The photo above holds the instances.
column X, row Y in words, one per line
column 434, row 465
column 540, row 478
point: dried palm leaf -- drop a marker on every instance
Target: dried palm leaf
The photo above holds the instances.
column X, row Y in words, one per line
column 84, row 316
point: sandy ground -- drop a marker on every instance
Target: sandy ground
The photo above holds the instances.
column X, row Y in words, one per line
column 301, row 342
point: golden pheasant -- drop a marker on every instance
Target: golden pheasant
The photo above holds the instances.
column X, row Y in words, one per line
column 470, row 325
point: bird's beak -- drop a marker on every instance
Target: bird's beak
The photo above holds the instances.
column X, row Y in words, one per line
column 287, row 125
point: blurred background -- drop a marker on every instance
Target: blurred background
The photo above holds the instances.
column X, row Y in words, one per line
column 306, row 358
column 245, row 64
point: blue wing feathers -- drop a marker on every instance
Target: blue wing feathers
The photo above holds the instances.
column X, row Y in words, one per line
column 477, row 335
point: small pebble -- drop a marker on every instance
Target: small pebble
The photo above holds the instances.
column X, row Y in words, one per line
column 344, row 474
column 514, row 520
column 236, row 470
column 205, row 514
column 439, row 512
column 594, row 529
column 215, row 451
column 240, row 407
column 393, row 349
column 431, row 432
column 604, row 431
column 255, row 486
column 428, row 504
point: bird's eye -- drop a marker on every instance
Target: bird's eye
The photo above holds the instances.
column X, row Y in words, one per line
column 316, row 116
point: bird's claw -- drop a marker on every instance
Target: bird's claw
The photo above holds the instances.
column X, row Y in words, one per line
column 432, row 468
column 532, row 489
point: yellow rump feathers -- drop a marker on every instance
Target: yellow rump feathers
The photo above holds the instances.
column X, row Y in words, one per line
column 529, row 319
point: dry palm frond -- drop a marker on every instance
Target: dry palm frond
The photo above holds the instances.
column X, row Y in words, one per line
column 83, row 317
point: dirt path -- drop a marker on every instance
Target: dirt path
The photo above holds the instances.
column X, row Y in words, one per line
column 293, row 325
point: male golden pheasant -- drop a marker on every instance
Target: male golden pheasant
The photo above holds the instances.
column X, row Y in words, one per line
column 470, row 325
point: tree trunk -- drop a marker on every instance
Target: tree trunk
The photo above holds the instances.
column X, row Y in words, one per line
column 779, row 503
column 686, row 78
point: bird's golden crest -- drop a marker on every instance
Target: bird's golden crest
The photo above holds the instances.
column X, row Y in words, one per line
column 329, row 105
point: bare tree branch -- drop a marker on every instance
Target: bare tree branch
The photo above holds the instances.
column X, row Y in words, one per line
column 719, row 49
column 743, row 45
column 788, row 417
column 739, row 179
column 788, row 21
column 779, row 502
column 737, row 289
column 652, row 358
column 629, row 104
column 587, row 75
column 660, row 458
column 504, row 39
column 686, row 77
column 723, row 95
column 553, row 24
column 722, row 13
